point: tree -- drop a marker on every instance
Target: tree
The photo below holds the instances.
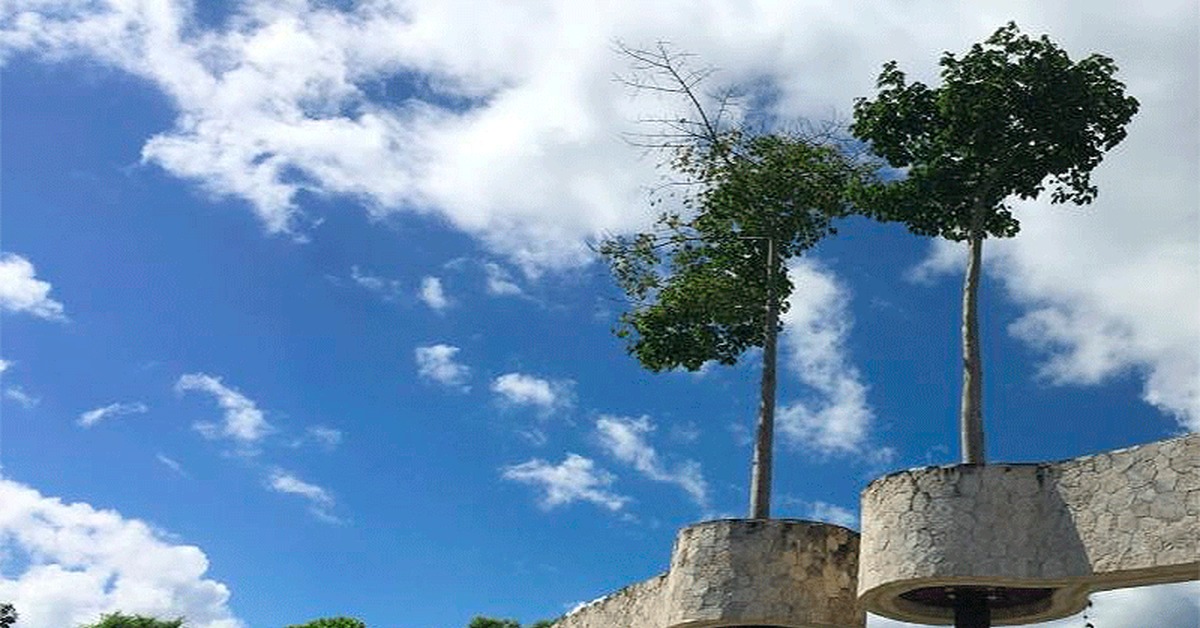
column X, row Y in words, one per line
column 8, row 616
column 488, row 622
column 1013, row 116
column 710, row 281
column 332, row 622
column 120, row 620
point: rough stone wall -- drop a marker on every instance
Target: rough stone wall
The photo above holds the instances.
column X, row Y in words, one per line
column 765, row 573
column 637, row 605
column 1123, row 518
column 790, row 574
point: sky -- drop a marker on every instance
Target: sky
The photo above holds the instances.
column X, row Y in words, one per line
column 300, row 317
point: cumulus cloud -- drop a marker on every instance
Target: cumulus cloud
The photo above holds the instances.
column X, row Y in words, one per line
column 243, row 422
column 320, row 501
column 4, row 364
column 574, row 479
column 21, row 291
column 515, row 136
column 436, row 363
column 96, row 415
column 624, row 438
column 527, row 390
column 84, row 561
column 835, row 417
column 432, row 294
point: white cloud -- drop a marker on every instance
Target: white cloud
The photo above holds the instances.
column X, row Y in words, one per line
column 94, row 416
column 171, row 464
column 243, row 421
column 22, row 398
column 20, row 291
column 574, row 479
column 327, row 437
column 1163, row 606
column 432, row 294
column 518, row 138
column 320, row 501
column 625, row 439
column 436, row 363
column 527, row 390
column 1132, row 309
column 83, row 561
column 499, row 281
column 831, row 513
column 4, row 364
column 944, row 258
column 389, row 289
column 836, row 418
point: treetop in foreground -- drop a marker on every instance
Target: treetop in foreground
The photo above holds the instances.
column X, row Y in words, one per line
column 121, row 620
column 332, row 622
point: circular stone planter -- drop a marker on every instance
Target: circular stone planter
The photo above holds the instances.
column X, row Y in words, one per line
column 1032, row 539
column 763, row 572
column 930, row 534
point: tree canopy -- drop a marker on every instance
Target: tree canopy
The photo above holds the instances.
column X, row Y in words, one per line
column 700, row 282
column 489, row 622
column 8, row 615
column 121, row 620
column 332, row 622
column 1011, row 117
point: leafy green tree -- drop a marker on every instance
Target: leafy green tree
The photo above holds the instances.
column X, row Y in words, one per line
column 332, row 622
column 8, row 616
column 1012, row 117
column 121, row 620
column 710, row 281
column 488, row 622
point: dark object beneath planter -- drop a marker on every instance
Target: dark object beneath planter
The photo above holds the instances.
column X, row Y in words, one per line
column 973, row 605
column 997, row 597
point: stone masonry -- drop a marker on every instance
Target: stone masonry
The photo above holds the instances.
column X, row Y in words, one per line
column 1125, row 518
column 737, row 572
column 1041, row 536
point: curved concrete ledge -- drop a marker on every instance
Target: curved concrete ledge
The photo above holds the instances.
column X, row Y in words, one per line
column 742, row 572
column 1038, row 536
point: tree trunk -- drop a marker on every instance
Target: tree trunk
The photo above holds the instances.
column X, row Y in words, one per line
column 971, row 411
column 760, row 474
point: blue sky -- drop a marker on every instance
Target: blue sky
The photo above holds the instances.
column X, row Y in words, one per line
column 299, row 317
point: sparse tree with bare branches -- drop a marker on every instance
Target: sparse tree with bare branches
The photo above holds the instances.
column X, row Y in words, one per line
column 710, row 280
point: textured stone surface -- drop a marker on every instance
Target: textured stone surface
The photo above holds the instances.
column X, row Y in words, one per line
column 786, row 573
column 635, row 605
column 1123, row 518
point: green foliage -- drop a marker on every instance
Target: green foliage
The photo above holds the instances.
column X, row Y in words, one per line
column 8, row 616
column 699, row 281
column 488, row 622
column 332, row 622
column 1012, row 116
column 120, row 620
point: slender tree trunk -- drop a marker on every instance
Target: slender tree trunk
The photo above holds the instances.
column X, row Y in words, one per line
column 971, row 412
column 760, row 473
